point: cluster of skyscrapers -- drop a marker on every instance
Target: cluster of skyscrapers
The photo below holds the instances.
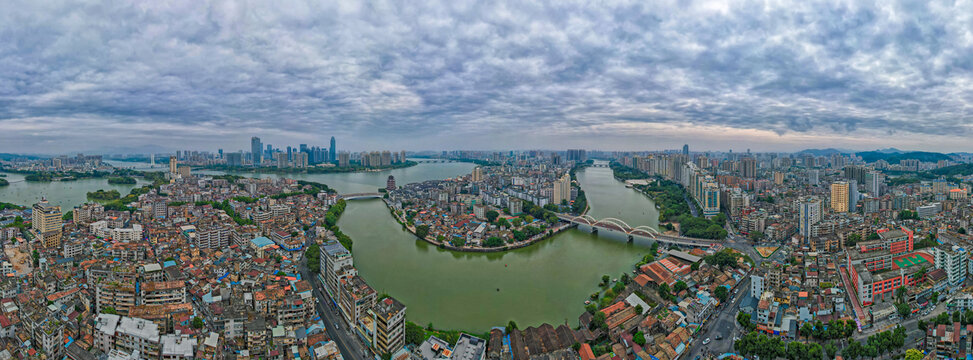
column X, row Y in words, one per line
column 301, row 156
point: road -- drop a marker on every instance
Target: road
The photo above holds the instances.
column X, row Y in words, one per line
column 348, row 344
column 721, row 323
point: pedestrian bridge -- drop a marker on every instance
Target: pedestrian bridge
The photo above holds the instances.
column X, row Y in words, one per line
column 644, row 232
column 355, row 196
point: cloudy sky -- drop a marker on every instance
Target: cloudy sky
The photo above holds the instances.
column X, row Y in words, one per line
column 772, row 75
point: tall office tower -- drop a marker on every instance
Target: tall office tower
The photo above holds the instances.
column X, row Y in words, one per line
column 685, row 149
column 873, row 183
column 256, row 148
column 290, row 154
column 853, row 196
column 810, row 214
column 46, row 221
column 151, row 159
column 269, row 154
column 234, row 159
column 304, row 148
column 748, row 167
column 331, row 150
column 221, row 153
column 839, row 196
column 178, row 154
column 343, row 159
column 173, row 165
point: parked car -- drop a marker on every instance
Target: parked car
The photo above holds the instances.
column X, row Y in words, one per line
column 706, row 341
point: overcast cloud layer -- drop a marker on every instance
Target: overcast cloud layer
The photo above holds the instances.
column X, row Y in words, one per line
column 774, row 75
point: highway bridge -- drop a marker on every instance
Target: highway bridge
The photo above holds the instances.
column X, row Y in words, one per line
column 355, row 196
column 589, row 223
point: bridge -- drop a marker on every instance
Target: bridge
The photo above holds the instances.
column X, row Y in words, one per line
column 356, row 196
column 644, row 232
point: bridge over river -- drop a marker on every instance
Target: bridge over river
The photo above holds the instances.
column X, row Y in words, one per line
column 355, row 196
column 588, row 223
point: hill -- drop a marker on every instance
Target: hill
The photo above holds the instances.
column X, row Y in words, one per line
column 824, row 152
column 955, row 170
column 893, row 158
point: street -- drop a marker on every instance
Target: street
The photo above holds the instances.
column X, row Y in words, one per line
column 723, row 324
column 349, row 346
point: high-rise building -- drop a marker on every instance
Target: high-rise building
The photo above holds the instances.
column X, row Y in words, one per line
column 281, row 160
column 562, row 190
column 300, row 159
column 873, row 183
column 331, row 150
column 46, row 222
column 748, row 167
column 685, row 149
column 390, row 183
column 389, row 321
column 234, row 159
column 257, row 149
column 810, row 214
column 173, row 165
column 839, row 196
column 477, row 174
column 577, row 155
column 344, row 159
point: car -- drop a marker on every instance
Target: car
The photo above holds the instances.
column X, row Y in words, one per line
column 706, row 341
column 719, row 337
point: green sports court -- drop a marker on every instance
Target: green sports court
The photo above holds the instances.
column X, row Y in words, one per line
column 911, row 260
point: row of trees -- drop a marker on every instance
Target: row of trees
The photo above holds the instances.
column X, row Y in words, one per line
column 770, row 348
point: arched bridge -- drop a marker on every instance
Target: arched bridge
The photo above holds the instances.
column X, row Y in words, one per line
column 640, row 231
column 354, row 196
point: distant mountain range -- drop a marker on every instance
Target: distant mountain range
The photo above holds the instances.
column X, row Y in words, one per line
column 895, row 157
column 892, row 155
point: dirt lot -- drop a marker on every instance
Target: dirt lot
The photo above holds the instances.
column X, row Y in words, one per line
column 20, row 259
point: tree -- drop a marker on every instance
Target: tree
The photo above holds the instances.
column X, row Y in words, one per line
column 197, row 322
column 492, row 215
column 109, row 310
column 962, row 231
column 830, row 349
column 913, row 354
column 694, row 266
column 605, row 279
column 900, row 293
column 493, row 241
column 599, row 319
column 414, row 334
column 511, row 326
column 422, row 231
column 852, row 239
column 872, row 236
column 721, row 293
column 664, row 291
column 502, row 222
column 903, row 309
column 744, row 320
column 679, row 287
column 37, row 257
column 757, row 236
column 806, row 330
column 639, row 338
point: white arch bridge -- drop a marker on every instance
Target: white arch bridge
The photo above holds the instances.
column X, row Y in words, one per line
column 645, row 232
column 373, row 195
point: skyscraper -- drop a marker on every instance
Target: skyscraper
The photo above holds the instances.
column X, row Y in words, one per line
column 810, row 214
column 257, row 149
column 685, row 149
column 173, row 163
column 748, row 167
column 331, row 151
column 839, row 196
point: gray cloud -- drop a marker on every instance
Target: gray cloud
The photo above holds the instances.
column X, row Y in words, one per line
column 466, row 74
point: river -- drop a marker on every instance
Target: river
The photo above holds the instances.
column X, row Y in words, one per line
column 545, row 282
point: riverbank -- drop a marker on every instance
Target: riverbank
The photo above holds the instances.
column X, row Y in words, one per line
column 308, row 170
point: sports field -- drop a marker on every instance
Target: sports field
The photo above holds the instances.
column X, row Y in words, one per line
column 911, row 260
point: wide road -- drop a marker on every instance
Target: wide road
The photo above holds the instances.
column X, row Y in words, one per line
column 721, row 323
column 350, row 347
